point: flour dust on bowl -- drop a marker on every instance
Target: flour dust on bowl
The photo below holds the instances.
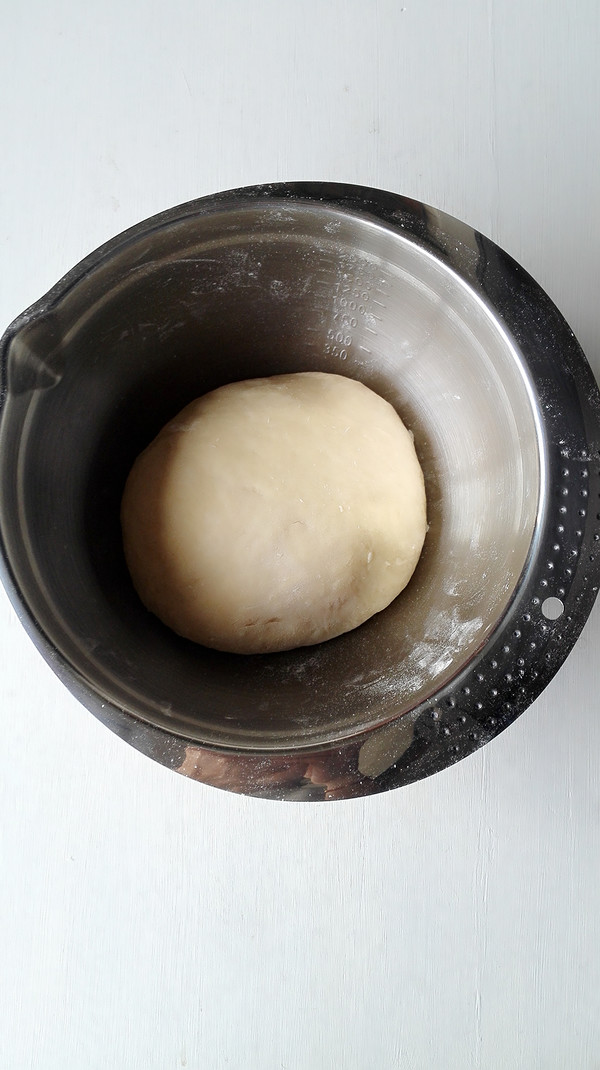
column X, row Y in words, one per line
column 432, row 316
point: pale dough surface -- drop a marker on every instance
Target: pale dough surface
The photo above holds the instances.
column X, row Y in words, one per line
column 275, row 513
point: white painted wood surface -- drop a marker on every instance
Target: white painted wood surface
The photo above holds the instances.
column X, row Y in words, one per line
column 146, row 921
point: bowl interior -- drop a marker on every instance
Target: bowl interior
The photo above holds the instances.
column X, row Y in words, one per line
column 245, row 291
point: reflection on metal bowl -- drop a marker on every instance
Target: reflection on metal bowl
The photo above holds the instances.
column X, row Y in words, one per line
column 434, row 317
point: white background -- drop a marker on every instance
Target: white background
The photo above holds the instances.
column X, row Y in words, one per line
column 149, row 922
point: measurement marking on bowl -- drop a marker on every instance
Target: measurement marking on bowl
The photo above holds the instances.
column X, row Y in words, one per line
column 351, row 302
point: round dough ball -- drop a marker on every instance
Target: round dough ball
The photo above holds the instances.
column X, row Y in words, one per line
column 275, row 513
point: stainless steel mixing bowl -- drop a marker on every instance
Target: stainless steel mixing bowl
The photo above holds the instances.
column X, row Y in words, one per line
column 430, row 314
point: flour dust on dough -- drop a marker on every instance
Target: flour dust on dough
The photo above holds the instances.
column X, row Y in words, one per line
column 275, row 513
